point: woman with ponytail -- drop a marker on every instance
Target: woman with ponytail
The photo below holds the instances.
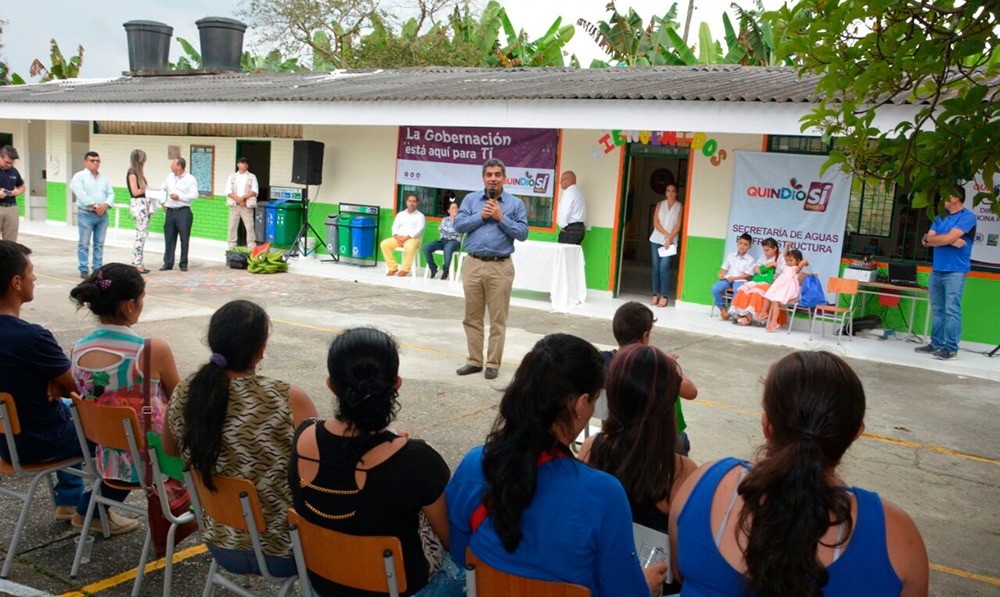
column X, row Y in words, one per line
column 524, row 505
column 107, row 368
column 228, row 420
column 140, row 206
column 788, row 524
column 357, row 475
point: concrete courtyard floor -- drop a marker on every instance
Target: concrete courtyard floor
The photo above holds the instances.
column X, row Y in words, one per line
column 932, row 443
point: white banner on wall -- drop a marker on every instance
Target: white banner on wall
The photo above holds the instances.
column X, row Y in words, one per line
column 783, row 196
column 986, row 249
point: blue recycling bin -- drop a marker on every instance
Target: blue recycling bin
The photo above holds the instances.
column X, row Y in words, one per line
column 363, row 237
column 271, row 221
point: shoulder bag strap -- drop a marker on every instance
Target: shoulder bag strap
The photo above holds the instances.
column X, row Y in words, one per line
column 147, row 412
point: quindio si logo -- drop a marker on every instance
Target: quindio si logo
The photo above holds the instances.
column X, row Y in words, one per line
column 815, row 198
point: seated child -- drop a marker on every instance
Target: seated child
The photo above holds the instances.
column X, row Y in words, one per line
column 632, row 324
column 747, row 306
column 786, row 288
column 735, row 271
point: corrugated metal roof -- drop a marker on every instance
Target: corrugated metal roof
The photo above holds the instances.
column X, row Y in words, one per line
column 688, row 83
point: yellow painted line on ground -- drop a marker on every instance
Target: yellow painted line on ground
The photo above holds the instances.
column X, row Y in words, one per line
column 124, row 577
column 990, row 580
column 932, row 448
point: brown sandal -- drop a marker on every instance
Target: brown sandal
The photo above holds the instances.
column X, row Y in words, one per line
column 662, row 302
column 744, row 320
column 656, row 299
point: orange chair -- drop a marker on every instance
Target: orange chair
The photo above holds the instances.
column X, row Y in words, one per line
column 10, row 426
column 111, row 427
column 834, row 313
column 363, row 563
column 482, row 580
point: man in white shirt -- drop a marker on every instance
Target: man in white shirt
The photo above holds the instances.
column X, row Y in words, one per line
column 407, row 230
column 181, row 189
column 735, row 271
column 242, row 199
column 572, row 210
column 94, row 198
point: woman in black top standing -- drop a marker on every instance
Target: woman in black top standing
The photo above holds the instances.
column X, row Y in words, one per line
column 354, row 474
column 140, row 207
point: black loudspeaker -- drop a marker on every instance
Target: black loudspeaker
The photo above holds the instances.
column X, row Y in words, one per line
column 307, row 162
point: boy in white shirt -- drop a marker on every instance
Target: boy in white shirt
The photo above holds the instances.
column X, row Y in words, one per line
column 736, row 269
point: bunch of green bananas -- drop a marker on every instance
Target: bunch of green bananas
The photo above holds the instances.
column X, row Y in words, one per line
column 267, row 262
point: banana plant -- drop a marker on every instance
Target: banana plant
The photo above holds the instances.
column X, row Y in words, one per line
column 190, row 61
column 60, row 67
column 272, row 62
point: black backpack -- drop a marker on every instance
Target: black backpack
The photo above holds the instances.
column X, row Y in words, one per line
column 860, row 324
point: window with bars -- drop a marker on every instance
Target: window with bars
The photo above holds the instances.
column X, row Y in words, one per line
column 434, row 203
column 793, row 144
column 870, row 209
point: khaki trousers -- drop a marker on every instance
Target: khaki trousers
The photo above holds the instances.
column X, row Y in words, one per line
column 9, row 222
column 237, row 213
column 409, row 250
column 487, row 286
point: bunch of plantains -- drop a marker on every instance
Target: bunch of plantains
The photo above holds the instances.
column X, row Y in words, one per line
column 263, row 261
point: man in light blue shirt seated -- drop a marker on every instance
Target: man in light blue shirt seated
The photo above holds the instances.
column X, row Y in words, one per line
column 492, row 220
column 94, row 198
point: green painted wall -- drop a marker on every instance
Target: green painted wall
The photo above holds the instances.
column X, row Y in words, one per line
column 55, row 201
column 702, row 256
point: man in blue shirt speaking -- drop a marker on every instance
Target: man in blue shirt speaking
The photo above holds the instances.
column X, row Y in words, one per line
column 951, row 236
column 492, row 220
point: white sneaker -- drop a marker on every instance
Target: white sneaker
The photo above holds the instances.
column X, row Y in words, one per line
column 117, row 524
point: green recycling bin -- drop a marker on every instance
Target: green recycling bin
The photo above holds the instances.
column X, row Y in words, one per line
column 344, row 240
column 287, row 223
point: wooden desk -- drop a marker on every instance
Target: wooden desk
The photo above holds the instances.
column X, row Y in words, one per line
column 914, row 294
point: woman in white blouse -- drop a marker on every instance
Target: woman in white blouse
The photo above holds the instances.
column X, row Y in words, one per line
column 666, row 230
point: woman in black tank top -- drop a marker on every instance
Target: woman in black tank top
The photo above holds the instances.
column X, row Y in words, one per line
column 354, row 474
column 140, row 207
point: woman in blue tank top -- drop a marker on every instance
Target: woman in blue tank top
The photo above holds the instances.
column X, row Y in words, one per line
column 788, row 525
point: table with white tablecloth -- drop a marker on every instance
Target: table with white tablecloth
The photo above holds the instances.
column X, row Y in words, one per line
column 555, row 268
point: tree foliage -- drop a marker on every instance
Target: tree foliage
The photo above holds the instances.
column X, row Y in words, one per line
column 940, row 55
column 59, row 66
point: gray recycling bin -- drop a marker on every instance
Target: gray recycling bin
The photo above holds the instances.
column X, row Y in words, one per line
column 332, row 237
column 260, row 221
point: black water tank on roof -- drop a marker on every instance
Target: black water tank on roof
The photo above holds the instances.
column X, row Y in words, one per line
column 148, row 45
column 221, row 43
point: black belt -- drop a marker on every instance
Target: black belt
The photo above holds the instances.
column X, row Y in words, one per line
column 571, row 224
column 491, row 257
column 176, row 208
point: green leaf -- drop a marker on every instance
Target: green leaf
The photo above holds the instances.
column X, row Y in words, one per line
column 706, row 47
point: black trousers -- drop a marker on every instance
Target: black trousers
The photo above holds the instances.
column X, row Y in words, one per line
column 178, row 222
column 573, row 234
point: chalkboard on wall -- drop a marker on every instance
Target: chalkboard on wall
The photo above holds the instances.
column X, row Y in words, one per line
column 202, row 167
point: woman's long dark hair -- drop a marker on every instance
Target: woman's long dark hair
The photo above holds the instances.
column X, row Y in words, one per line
column 363, row 364
column 815, row 407
column 639, row 437
column 237, row 331
column 104, row 291
column 558, row 370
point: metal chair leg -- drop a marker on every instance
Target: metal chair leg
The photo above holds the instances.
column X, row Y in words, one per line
column 147, row 546
column 22, row 520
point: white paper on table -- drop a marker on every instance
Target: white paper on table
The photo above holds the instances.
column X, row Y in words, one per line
column 667, row 251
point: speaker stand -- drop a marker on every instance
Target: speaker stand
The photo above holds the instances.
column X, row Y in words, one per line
column 304, row 231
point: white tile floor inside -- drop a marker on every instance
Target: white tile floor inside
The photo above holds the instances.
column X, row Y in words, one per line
column 972, row 361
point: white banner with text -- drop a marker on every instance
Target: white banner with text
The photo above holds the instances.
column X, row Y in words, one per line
column 986, row 248
column 782, row 195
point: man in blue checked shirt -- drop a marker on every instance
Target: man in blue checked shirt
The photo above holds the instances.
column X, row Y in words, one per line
column 94, row 198
column 492, row 220
column 450, row 241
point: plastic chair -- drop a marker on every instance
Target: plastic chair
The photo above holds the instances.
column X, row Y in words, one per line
column 363, row 563
column 166, row 467
column 235, row 504
column 727, row 298
column 111, row 427
column 10, row 426
column 834, row 313
column 456, row 262
column 482, row 580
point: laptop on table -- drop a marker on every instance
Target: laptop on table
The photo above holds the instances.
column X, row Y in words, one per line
column 903, row 275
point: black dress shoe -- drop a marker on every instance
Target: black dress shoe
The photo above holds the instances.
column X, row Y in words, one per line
column 84, row 275
column 491, row 373
column 184, row 268
column 434, row 272
column 166, row 268
column 444, row 276
column 468, row 370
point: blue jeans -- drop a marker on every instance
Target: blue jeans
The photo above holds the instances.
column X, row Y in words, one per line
column 661, row 270
column 448, row 246
column 720, row 287
column 946, row 308
column 239, row 561
column 449, row 581
column 92, row 228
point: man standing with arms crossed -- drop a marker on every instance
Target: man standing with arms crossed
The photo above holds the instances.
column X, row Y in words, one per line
column 94, row 198
column 492, row 220
column 181, row 189
column 951, row 237
column 11, row 185
column 572, row 211
column 242, row 199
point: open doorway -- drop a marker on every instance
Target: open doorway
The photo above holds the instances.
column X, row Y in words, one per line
column 259, row 154
column 648, row 171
